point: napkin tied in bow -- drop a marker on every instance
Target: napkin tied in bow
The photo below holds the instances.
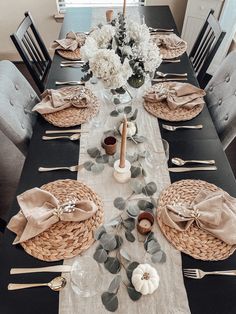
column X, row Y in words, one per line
column 71, row 42
column 176, row 95
column 60, row 99
column 171, row 41
column 214, row 212
column 39, row 210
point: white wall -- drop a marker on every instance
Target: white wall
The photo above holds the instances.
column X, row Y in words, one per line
column 12, row 13
column 177, row 7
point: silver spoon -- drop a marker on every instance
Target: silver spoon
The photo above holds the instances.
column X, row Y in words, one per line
column 56, row 284
column 181, row 162
column 161, row 74
column 73, row 137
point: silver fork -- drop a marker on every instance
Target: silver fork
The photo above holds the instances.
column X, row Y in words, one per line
column 70, row 83
column 199, row 274
column 71, row 65
column 71, row 168
column 161, row 74
column 174, row 128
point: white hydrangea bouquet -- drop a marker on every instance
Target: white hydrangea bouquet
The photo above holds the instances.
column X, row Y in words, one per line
column 120, row 52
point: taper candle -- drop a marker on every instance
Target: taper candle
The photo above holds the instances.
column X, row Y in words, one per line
column 124, row 7
column 123, row 143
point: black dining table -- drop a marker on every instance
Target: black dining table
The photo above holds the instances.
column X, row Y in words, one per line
column 210, row 295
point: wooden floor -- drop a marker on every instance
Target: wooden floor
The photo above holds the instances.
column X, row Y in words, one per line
column 230, row 152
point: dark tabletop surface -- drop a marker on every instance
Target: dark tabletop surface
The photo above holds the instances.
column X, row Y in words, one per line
column 210, row 295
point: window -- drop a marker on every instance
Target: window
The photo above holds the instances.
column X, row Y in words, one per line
column 63, row 4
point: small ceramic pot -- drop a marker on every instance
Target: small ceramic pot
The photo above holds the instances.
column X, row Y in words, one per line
column 145, row 222
column 109, row 144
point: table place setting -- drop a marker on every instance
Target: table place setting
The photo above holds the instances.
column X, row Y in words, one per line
column 69, row 47
column 174, row 101
column 171, row 46
column 68, row 106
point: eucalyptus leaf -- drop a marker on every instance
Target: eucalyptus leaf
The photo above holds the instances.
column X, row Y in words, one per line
column 135, row 171
column 99, row 232
column 119, row 241
column 129, row 236
column 129, row 224
column 133, row 294
column 108, row 241
column 139, row 138
column 103, row 159
column 116, row 101
column 119, row 203
column 115, row 284
column 154, row 202
column 125, row 255
column 93, row 152
column 133, row 211
column 114, row 222
column 153, row 247
column 130, row 269
column 134, row 115
column 159, row 257
column 136, row 186
column 143, row 154
column 100, row 255
column 97, row 168
column 88, row 165
column 132, row 158
column 112, row 264
column 111, row 161
column 149, row 189
column 114, row 113
column 127, row 109
column 110, row 301
column 145, row 205
column 144, row 172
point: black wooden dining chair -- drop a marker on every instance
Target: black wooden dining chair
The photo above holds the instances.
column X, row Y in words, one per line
column 32, row 50
column 206, row 46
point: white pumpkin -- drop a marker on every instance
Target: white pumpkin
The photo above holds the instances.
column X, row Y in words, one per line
column 131, row 129
column 145, row 279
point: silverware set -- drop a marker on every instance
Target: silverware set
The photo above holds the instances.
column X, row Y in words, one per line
column 177, row 127
column 70, row 168
column 199, row 274
column 71, row 83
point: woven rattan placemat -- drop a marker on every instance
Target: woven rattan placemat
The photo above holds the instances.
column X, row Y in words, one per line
column 66, row 239
column 194, row 242
column 74, row 116
column 161, row 109
column 69, row 55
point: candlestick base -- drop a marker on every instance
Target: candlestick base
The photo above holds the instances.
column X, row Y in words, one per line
column 122, row 175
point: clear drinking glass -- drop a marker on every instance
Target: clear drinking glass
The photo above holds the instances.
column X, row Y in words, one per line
column 86, row 277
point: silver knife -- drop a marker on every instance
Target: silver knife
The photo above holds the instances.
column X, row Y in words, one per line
column 186, row 169
column 70, row 83
column 71, row 65
column 170, row 79
column 53, row 269
column 72, row 62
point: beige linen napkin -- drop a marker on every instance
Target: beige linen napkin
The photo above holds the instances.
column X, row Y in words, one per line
column 176, row 95
column 56, row 100
column 214, row 212
column 171, row 41
column 71, row 42
column 39, row 210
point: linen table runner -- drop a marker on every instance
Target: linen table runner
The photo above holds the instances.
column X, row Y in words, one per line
column 170, row 297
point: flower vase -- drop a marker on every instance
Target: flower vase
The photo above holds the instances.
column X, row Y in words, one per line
column 116, row 98
column 136, row 81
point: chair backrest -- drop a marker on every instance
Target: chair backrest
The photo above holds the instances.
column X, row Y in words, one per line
column 221, row 99
column 206, row 46
column 17, row 98
column 32, row 50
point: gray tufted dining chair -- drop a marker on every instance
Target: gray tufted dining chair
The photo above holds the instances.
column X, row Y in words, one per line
column 221, row 99
column 17, row 98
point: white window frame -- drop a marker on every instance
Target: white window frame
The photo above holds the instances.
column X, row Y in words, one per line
column 63, row 4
